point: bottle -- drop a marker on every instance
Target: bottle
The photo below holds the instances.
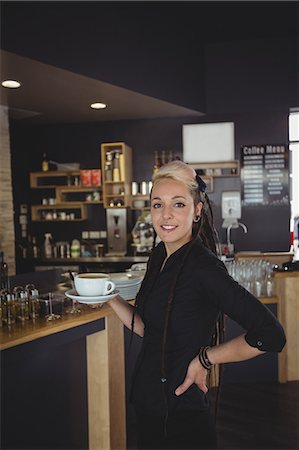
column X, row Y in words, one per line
column 45, row 163
column 34, row 247
column 75, row 248
column 163, row 158
column 116, row 167
column 108, row 166
column 4, row 280
column 22, row 306
column 156, row 162
column 34, row 304
column 108, row 171
column 8, row 309
column 122, row 166
column 48, row 245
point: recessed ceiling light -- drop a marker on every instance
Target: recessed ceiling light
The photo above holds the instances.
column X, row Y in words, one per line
column 98, row 106
column 11, row 84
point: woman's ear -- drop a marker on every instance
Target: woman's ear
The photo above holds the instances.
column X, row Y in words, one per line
column 198, row 208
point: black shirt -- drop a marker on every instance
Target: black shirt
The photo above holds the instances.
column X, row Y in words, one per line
column 201, row 288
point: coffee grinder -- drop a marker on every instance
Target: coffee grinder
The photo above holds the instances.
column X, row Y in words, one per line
column 116, row 231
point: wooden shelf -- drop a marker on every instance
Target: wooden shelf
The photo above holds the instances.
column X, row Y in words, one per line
column 125, row 165
column 62, row 192
column 219, row 168
column 77, row 208
column 36, row 176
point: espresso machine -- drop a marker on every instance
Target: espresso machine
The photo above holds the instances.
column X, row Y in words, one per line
column 116, row 219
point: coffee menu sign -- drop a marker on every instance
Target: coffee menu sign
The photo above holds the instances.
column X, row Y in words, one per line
column 264, row 174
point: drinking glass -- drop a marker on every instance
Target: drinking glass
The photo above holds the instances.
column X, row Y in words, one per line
column 73, row 309
column 51, row 316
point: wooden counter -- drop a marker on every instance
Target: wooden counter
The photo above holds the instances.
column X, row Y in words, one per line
column 287, row 294
column 20, row 334
column 273, row 257
column 287, row 291
column 105, row 372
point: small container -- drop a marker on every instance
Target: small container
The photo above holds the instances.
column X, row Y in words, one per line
column 75, row 249
column 99, row 250
column 85, row 177
column 96, row 177
column 144, row 188
column 135, row 188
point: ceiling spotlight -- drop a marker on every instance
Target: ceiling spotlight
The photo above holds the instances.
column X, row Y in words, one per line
column 98, row 106
column 11, row 84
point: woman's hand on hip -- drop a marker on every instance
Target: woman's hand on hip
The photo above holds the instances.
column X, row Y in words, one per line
column 197, row 374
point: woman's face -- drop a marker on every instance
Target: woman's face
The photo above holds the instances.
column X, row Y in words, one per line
column 173, row 211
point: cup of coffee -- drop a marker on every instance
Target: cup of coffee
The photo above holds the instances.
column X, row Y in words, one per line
column 93, row 284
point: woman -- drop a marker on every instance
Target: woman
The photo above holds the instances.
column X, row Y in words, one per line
column 185, row 290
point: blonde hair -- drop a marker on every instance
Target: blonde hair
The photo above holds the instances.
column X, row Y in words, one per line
column 179, row 171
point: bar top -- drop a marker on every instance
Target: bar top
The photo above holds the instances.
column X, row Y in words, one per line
column 19, row 334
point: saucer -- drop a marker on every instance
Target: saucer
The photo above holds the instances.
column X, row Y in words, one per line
column 88, row 299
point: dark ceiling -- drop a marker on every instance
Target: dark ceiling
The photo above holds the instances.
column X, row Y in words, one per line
column 131, row 44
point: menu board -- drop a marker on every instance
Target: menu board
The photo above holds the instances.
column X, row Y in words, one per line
column 265, row 174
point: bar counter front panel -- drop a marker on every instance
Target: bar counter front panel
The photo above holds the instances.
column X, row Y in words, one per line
column 62, row 383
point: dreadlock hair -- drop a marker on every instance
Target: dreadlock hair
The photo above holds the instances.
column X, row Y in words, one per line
column 179, row 171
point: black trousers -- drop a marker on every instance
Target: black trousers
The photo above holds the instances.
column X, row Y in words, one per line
column 194, row 430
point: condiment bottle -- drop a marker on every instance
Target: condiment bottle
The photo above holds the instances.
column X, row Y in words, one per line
column 22, row 306
column 45, row 163
column 8, row 309
column 4, row 280
column 75, row 248
column 34, row 304
column 48, row 245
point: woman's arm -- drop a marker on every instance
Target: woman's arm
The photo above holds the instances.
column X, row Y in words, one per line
column 232, row 351
column 124, row 311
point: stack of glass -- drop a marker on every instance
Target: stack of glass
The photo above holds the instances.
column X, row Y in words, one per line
column 254, row 275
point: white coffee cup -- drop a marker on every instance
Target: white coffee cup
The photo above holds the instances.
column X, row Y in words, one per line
column 93, row 284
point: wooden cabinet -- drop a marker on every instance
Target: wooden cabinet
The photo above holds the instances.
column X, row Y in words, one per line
column 63, row 199
column 116, row 160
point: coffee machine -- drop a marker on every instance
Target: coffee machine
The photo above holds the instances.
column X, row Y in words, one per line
column 116, row 219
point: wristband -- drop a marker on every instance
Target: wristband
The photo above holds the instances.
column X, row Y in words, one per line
column 203, row 358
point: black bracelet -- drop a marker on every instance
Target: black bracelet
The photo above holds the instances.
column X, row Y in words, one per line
column 203, row 358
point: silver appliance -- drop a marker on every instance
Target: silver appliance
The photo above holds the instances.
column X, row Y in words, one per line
column 116, row 231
